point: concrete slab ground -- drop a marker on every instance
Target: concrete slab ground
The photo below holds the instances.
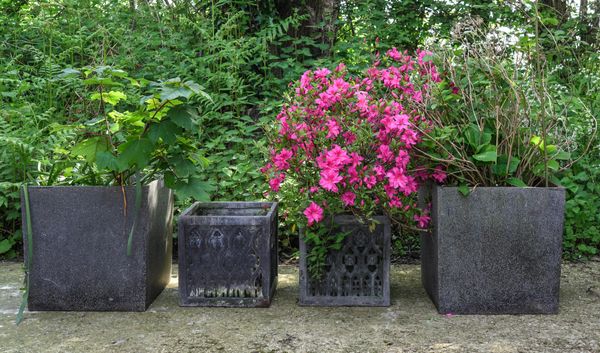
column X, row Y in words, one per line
column 411, row 324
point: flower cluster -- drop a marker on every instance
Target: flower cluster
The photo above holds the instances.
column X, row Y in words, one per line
column 343, row 143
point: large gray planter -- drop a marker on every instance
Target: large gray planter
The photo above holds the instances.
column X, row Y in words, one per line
column 496, row 251
column 79, row 236
column 228, row 254
column 356, row 275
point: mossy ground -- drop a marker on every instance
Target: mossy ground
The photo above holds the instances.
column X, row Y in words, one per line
column 411, row 324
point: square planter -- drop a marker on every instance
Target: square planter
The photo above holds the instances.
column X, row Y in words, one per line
column 79, row 244
column 228, row 254
column 496, row 251
column 356, row 275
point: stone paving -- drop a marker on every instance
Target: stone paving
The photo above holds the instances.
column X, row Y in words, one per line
column 411, row 324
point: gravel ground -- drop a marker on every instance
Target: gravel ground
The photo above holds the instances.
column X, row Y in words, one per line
column 411, row 324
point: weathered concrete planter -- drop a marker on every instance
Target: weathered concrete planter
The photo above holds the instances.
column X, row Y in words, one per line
column 228, row 254
column 357, row 274
column 79, row 241
column 497, row 251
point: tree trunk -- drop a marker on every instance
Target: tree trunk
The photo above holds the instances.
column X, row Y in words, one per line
column 321, row 22
column 583, row 4
column 559, row 7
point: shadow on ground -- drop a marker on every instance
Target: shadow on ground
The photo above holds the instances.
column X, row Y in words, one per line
column 411, row 324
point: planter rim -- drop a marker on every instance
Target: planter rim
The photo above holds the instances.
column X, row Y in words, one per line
column 272, row 206
column 384, row 219
column 90, row 186
column 550, row 188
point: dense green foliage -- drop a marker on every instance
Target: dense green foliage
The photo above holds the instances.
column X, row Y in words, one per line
column 244, row 53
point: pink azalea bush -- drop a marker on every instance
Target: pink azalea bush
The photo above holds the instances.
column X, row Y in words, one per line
column 344, row 143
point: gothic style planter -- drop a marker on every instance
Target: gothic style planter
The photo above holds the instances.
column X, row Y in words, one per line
column 79, row 244
column 228, row 254
column 357, row 274
column 496, row 251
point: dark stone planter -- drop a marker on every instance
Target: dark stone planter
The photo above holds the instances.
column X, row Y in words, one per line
column 356, row 275
column 228, row 254
column 497, row 251
column 79, row 240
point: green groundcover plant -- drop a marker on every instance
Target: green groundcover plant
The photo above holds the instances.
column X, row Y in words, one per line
column 343, row 144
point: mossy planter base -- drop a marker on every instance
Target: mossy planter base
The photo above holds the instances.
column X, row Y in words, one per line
column 496, row 251
column 356, row 275
column 79, row 237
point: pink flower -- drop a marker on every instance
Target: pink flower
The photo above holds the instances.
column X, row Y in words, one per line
column 402, row 159
column 322, row 73
column 439, row 175
column 305, row 84
column 313, row 189
column 385, row 153
column 362, row 101
column 418, row 96
column 314, row 213
column 379, row 170
column 334, row 128
column 410, row 137
column 370, row 181
column 329, row 179
column 397, row 178
column 281, row 159
column 395, row 202
column 264, row 169
column 394, row 54
column 349, row 137
column 396, row 122
column 424, row 57
column 337, row 155
column 422, row 220
column 348, row 198
column 276, row 182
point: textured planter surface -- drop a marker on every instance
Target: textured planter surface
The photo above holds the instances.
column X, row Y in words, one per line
column 228, row 254
column 357, row 274
column 497, row 251
column 80, row 257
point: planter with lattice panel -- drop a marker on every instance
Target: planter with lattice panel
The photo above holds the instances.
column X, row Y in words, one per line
column 228, row 254
column 355, row 275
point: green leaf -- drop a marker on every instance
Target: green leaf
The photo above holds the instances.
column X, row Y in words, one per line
column 551, row 149
column 112, row 97
column 5, row 246
column 165, row 130
column 194, row 188
column 516, row 182
column 500, row 168
column 553, row 165
column 69, row 72
column 182, row 116
column 487, row 156
column 136, row 152
column 562, row 156
column 552, row 21
column 89, row 148
column 464, row 190
column 106, row 160
column 472, row 134
column 101, row 81
column 536, row 141
column 197, row 89
column 183, row 166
